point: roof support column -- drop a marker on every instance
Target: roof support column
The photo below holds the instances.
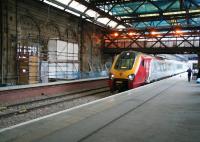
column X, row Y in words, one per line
column 81, row 45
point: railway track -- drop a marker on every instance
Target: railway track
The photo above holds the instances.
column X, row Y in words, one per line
column 28, row 106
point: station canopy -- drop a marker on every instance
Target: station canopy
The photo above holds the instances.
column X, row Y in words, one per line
column 137, row 14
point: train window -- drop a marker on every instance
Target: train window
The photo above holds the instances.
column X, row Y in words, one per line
column 125, row 61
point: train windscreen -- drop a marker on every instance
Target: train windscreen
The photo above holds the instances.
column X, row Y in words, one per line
column 125, row 61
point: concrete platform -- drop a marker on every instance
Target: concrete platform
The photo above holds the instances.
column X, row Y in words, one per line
column 165, row 111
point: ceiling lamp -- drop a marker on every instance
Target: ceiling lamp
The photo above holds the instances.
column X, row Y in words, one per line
column 178, row 30
column 153, row 32
column 131, row 33
column 116, row 34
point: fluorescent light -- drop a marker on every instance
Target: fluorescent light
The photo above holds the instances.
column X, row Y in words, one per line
column 149, row 15
column 174, row 13
column 194, row 11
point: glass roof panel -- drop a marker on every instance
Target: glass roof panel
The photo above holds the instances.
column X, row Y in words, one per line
column 92, row 13
column 147, row 7
column 103, row 20
column 140, row 10
column 195, row 21
column 121, row 27
column 183, row 22
column 64, row 1
column 78, row 6
column 112, row 24
column 55, row 5
column 150, row 24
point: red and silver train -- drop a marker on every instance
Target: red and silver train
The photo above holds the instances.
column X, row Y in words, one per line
column 131, row 69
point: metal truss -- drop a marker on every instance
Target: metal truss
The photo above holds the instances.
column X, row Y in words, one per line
column 130, row 13
column 154, row 2
column 165, row 40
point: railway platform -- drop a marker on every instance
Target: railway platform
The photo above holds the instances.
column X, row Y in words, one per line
column 22, row 93
column 164, row 111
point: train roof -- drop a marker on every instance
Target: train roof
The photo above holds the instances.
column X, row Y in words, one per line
column 138, row 53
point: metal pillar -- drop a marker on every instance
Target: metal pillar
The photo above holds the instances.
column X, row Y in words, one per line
column 81, row 28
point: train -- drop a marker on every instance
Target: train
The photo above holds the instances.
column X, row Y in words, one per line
column 131, row 69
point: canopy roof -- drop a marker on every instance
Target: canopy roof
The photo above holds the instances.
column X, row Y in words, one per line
column 137, row 14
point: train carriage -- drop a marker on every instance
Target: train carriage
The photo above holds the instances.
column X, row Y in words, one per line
column 131, row 69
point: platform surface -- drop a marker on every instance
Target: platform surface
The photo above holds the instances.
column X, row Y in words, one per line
column 165, row 111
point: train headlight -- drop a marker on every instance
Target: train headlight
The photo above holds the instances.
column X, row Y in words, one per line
column 112, row 76
column 131, row 77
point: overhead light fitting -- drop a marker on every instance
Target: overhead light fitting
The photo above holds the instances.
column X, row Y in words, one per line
column 174, row 13
column 116, row 34
column 149, row 15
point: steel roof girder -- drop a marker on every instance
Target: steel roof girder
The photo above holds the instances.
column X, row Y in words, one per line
column 134, row 40
column 174, row 50
column 182, row 42
column 165, row 17
column 159, row 39
column 187, row 41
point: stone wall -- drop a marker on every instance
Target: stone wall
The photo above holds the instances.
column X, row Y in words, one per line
column 34, row 23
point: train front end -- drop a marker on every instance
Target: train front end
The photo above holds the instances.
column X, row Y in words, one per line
column 122, row 72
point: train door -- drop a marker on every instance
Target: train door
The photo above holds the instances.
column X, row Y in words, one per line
column 142, row 71
column 147, row 68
